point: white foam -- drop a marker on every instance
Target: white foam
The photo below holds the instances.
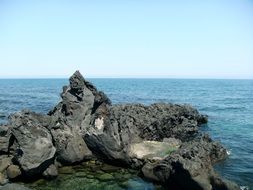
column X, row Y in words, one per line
column 228, row 152
column 244, row 187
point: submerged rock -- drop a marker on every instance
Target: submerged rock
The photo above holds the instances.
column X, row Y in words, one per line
column 14, row 186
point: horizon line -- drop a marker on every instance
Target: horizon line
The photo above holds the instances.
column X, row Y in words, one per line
column 125, row 77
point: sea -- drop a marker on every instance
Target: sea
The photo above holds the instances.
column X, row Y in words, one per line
column 228, row 103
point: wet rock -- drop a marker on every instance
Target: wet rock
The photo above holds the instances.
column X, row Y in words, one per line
column 13, row 186
column 105, row 177
column 223, row 184
column 35, row 147
column 192, row 162
column 51, row 172
column 66, row 170
column 109, row 168
column 13, row 171
column 3, row 179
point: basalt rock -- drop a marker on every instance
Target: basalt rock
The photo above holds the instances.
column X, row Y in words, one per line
column 35, row 149
column 163, row 140
column 116, row 128
column 73, row 116
column 190, row 167
column 5, row 136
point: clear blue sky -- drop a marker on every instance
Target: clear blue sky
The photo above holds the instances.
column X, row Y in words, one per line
column 126, row 38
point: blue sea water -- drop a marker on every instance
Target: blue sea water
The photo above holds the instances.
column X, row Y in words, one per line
column 229, row 104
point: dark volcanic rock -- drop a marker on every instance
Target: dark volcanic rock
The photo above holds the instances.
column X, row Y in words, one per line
column 73, row 116
column 35, row 147
column 163, row 140
column 190, row 167
column 5, row 135
column 121, row 125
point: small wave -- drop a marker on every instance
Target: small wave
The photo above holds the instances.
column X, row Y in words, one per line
column 2, row 116
column 228, row 152
column 244, row 187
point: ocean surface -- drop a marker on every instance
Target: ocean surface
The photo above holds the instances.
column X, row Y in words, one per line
column 228, row 103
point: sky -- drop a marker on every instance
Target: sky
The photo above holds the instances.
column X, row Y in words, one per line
column 128, row 38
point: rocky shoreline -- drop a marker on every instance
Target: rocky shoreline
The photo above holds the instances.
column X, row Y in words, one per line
column 162, row 141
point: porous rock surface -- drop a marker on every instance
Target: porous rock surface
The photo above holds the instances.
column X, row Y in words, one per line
column 161, row 140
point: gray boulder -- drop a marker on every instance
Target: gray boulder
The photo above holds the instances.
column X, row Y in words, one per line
column 3, row 179
column 51, row 172
column 5, row 162
column 13, row 171
column 35, row 147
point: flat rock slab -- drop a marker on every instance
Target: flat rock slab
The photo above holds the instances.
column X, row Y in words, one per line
column 152, row 149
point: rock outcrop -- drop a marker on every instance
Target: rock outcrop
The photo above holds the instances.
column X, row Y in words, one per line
column 162, row 140
column 118, row 127
column 73, row 116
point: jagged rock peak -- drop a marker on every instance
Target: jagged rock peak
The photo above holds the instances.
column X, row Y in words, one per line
column 77, row 81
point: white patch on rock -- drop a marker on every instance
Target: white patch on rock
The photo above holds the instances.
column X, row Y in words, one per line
column 99, row 123
column 151, row 149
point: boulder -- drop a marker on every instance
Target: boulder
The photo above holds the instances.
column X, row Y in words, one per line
column 5, row 162
column 70, row 145
column 3, row 179
column 51, row 172
column 223, row 184
column 190, row 167
column 13, row 171
column 35, row 147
